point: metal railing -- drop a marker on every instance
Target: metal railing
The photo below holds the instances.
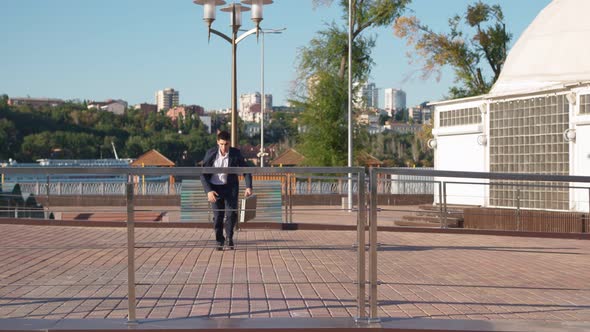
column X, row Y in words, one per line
column 304, row 185
column 132, row 191
column 96, row 188
column 443, row 178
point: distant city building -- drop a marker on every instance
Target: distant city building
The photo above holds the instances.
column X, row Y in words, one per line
column 374, row 130
column 250, row 105
column 175, row 112
column 402, row 128
column 421, row 113
column 287, row 108
column 184, row 111
column 220, row 111
column 113, row 106
column 35, row 102
column 312, row 82
column 167, row 98
column 368, row 119
column 367, row 96
column 194, row 109
column 206, row 119
column 146, row 108
column 395, row 100
column 251, row 129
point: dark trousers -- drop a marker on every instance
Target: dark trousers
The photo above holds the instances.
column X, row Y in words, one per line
column 226, row 206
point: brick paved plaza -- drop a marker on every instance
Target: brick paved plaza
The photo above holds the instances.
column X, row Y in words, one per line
column 80, row 272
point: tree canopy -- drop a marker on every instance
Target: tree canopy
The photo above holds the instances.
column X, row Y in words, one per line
column 322, row 89
column 476, row 55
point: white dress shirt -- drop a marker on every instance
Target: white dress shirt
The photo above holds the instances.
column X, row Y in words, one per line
column 220, row 161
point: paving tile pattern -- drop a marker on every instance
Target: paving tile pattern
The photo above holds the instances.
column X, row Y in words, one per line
column 77, row 272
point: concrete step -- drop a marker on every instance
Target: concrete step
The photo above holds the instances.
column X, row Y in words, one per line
column 450, row 207
column 407, row 223
column 430, row 218
column 451, row 222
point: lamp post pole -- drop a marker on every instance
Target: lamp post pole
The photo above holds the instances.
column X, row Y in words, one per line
column 261, row 154
column 262, row 102
column 234, row 82
column 235, row 10
column 350, row 23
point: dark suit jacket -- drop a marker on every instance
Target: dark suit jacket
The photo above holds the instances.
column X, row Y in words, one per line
column 235, row 160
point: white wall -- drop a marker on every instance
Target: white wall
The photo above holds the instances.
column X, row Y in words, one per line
column 462, row 153
column 457, row 149
column 581, row 166
column 580, row 153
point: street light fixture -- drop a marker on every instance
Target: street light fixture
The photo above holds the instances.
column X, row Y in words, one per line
column 235, row 10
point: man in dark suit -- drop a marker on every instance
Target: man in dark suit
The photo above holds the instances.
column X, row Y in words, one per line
column 223, row 189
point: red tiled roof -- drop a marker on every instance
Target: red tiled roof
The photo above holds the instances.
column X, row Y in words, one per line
column 152, row 158
column 288, row 158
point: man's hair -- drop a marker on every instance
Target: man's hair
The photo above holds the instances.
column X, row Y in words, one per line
column 224, row 135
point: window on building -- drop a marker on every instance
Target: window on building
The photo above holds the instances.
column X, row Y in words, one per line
column 526, row 136
column 585, row 104
column 460, row 117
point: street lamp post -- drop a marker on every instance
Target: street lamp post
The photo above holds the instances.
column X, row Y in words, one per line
column 261, row 154
column 235, row 10
column 350, row 26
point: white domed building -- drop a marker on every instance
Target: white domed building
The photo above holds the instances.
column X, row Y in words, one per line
column 536, row 118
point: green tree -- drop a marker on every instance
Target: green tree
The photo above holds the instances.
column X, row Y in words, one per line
column 476, row 56
column 8, row 139
column 325, row 126
column 3, row 100
column 322, row 90
column 135, row 146
column 366, row 14
column 281, row 127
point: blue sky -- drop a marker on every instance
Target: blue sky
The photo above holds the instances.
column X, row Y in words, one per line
column 128, row 49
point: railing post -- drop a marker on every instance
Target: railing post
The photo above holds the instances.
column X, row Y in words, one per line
column 373, row 248
column 285, row 192
column 440, row 204
column 131, row 318
column 446, row 211
column 47, row 213
column 518, row 209
column 587, row 215
column 361, row 249
column 291, row 199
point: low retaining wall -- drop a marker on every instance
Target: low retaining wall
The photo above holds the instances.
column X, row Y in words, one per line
column 526, row 220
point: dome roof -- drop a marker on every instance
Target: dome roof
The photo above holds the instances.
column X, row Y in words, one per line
column 552, row 51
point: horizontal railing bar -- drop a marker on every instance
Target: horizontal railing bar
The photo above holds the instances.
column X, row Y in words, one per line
column 483, row 175
column 124, row 283
column 344, row 177
column 184, row 171
column 245, row 246
column 408, row 180
column 516, row 184
column 249, row 283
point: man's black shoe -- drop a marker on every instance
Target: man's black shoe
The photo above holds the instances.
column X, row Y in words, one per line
column 230, row 244
column 219, row 246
